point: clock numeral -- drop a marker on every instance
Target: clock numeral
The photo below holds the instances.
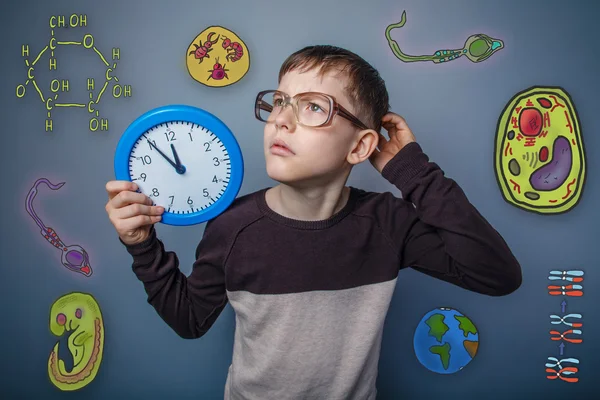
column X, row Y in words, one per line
column 155, row 192
column 170, row 136
column 215, row 180
column 172, row 199
column 191, row 138
column 190, row 201
column 153, row 143
column 145, row 160
column 142, row 177
column 207, row 145
column 205, row 192
column 217, row 162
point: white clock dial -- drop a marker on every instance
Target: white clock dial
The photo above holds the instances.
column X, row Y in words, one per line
column 200, row 151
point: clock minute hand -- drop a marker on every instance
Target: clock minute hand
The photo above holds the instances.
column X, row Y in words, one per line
column 163, row 154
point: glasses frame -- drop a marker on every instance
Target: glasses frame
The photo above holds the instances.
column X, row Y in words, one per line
column 335, row 108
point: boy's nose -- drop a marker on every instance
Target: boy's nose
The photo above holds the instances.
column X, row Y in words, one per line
column 286, row 119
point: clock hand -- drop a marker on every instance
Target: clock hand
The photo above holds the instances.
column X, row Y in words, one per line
column 164, row 155
column 180, row 168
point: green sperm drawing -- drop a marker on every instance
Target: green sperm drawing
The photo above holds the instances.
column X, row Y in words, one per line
column 477, row 48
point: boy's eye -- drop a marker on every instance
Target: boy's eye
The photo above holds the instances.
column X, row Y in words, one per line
column 314, row 107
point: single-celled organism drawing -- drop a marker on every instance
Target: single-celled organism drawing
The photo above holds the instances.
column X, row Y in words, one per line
column 478, row 47
column 77, row 315
column 73, row 257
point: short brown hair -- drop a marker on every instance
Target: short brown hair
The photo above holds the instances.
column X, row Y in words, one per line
column 366, row 89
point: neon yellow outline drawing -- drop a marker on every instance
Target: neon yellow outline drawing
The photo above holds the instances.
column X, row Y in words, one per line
column 56, row 85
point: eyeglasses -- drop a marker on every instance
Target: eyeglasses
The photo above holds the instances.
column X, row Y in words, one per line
column 311, row 109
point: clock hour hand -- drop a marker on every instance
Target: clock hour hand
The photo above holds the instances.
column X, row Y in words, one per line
column 177, row 167
column 180, row 168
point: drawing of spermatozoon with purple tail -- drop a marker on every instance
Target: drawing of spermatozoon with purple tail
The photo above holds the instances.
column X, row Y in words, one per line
column 73, row 257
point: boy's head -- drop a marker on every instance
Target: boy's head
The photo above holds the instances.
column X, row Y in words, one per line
column 326, row 132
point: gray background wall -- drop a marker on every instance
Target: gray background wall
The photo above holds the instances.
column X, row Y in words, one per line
column 452, row 108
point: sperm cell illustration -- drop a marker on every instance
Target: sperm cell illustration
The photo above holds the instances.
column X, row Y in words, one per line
column 73, row 257
column 478, row 47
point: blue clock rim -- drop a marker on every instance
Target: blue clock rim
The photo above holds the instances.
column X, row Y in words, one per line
column 195, row 115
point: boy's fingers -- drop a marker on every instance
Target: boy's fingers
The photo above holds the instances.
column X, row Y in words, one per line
column 391, row 119
column 127, row 197
column 113, row 188
column 133, row 223
column 133, row 210
column 382, row 141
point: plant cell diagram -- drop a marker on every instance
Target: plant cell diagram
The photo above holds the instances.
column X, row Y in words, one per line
column 539, row 153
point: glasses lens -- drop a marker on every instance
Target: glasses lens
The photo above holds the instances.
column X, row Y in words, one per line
column 313, row 109
column 269, row 106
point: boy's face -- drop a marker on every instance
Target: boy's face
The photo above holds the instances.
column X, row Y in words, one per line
column 317, row 155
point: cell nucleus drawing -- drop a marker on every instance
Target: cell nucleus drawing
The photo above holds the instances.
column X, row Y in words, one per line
column 217, row 57
column 75, row 317
column 539, row 153
column 477, row 48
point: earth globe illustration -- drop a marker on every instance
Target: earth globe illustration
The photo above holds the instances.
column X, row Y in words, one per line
column 445, row 340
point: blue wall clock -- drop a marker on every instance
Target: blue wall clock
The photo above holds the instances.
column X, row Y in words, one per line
column 185, row 159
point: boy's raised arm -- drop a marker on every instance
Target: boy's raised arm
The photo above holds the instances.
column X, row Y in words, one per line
column 444, row 235
column 189, row 305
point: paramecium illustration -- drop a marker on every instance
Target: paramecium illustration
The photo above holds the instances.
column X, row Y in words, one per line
column 73, row 257
column 217, row 57
column 477, row 48
column 540, row 161
column 78, row 316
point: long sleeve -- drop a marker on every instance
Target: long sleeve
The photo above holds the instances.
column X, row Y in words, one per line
column 444, row 235
column 189, row 305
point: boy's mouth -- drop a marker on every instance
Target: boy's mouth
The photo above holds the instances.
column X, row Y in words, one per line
column 280, row 147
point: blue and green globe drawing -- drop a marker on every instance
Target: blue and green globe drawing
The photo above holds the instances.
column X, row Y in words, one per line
column 445, row 340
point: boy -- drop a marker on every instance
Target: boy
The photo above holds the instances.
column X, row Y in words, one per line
column 309, row 266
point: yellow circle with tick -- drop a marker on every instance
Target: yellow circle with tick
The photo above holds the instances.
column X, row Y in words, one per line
column 217, row 57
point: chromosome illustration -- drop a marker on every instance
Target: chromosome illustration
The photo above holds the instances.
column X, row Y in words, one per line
column 478, row 47
column 77, row 315
column 567, row 327
column 73, row 257
column 217, row 57
column 556, row 370
column 445, row 340
column 58, row 86
column 539, row 155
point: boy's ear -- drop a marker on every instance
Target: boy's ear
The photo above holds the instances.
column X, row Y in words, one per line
column 364, row 145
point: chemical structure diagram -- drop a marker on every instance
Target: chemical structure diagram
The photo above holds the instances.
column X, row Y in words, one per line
column 58, row 86
column 569, row 329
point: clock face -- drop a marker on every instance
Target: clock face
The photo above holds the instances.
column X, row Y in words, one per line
column 201, row 153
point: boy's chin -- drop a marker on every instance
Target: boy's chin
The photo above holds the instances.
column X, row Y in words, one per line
column 287, row 176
